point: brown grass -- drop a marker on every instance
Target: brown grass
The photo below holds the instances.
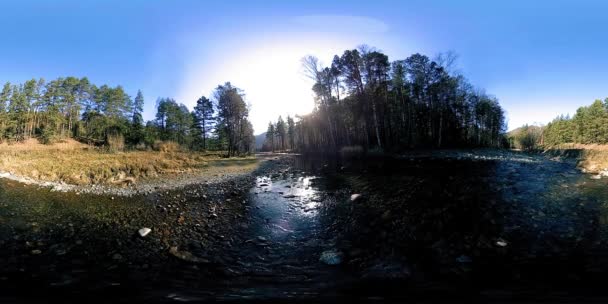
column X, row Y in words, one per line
column 592, row 158
column 79, row 164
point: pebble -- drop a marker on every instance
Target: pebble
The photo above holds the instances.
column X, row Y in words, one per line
column 501, row 243
column 355, row 197
column 144, row 231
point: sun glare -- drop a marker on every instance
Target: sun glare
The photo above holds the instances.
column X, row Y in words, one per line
column 271, row 76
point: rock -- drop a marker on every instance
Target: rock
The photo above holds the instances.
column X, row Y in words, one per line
column 331, row 257
column 262, row 239
column 501, row 243
column 144, row 231
column 186, row 256
column 289, row 196
column 117, row 256
column 386, row 215
column 355, row 197
column 387, row 270
column 36, row 252
column 464, row 259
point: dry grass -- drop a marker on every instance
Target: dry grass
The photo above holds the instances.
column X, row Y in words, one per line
column 79, row 164
column 592, row 158
column 34, row 145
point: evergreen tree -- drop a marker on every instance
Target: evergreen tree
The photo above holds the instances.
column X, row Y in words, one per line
column 270, row 134
column 136, row 135
column 291, row 132
column 204, row 118
column 281, row 132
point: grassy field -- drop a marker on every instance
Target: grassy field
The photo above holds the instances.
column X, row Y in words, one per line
column 75, row 163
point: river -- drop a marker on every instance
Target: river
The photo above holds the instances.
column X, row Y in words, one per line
column 487, row 226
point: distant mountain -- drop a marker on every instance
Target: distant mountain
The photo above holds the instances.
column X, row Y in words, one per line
column 259, row 140
column 530, row 128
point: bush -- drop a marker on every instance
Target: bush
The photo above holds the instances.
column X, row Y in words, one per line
column 166, row 146
column 47, row 135
column 526, row 138
column 115, row 142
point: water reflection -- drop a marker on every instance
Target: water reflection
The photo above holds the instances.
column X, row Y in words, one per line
column 288, row 202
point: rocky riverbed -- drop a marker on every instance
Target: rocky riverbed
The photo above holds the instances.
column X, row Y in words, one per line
column 470, row 225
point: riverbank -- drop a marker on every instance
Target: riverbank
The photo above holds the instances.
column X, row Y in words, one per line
column 592, row 158
column 72, row 166
column 72, row 245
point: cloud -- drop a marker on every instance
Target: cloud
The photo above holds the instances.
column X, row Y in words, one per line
column 352, row 24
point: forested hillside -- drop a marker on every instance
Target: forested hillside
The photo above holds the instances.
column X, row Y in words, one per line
column 363, row 99
column 589, row 125
column 104, row 115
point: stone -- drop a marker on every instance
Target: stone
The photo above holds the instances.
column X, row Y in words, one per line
column 186, row 256
column 144, row 231
column 464, row 259
column 36, row 252
column 331, row 257
column 501, row 243
column 355, row 197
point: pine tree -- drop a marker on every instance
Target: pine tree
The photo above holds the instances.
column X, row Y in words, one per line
column 137, row 120
column 270, row 135
column 281, row 132
column 291, row 131
column 204, row 118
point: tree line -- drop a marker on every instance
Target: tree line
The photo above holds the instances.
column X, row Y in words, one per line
column 589, row 125
column 363, row 99
column 74, row 107
column 280, row 135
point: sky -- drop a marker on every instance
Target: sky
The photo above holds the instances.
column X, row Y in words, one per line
column 539, row 58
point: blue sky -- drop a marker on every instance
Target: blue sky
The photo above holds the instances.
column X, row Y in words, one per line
column 540, row 58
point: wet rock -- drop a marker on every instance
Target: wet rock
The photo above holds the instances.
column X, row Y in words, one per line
column 501, row 243
column 36, row 252
column 331, row 257
column 186, row 256
column 387, row 270
column 464, row 259
column 144, row 231
column 386, row 215
column 355, row 197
